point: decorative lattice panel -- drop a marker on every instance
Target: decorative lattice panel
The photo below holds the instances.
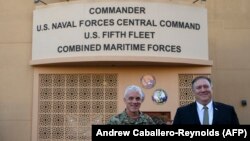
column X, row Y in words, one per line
column 185, row 88
column 70, row 103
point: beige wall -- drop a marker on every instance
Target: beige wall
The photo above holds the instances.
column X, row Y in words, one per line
column 228, row 45
column 167, row 78
column 16, row 75
column 229, row 32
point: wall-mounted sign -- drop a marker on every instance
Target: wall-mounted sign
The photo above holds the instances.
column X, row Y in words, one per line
column 111, row 29
column 159, row 96
column 148, row 81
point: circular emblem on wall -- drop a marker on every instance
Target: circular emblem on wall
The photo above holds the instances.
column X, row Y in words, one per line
column 148, row 81
column 159, row 96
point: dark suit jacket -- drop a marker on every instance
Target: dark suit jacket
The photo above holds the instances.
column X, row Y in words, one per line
column 223, row 114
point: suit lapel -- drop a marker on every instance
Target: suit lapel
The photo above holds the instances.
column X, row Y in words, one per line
column 216, row 113
column 195, row 114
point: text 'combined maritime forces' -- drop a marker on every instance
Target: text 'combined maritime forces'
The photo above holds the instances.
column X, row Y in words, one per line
column 119, row 47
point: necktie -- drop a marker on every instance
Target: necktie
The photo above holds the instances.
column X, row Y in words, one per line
column 205, row 116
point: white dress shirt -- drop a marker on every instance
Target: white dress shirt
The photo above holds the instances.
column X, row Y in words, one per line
column 200, row 111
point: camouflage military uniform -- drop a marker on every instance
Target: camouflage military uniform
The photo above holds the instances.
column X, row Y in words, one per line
column 124, row 119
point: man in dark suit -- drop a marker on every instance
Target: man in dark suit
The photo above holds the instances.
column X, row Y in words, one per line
column 204, row 111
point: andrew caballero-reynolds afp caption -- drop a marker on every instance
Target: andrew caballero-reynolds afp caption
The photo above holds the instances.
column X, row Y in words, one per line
column 159, row 132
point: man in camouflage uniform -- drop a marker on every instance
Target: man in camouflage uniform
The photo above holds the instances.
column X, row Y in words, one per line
column 133, row 97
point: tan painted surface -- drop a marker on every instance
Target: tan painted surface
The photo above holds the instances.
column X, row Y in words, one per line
column 228, row 33
column 166, row 78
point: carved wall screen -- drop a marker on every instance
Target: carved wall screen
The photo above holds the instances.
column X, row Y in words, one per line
column 70, row 103
column 185, row 89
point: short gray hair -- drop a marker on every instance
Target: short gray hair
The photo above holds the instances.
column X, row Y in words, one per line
column 134, row 88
